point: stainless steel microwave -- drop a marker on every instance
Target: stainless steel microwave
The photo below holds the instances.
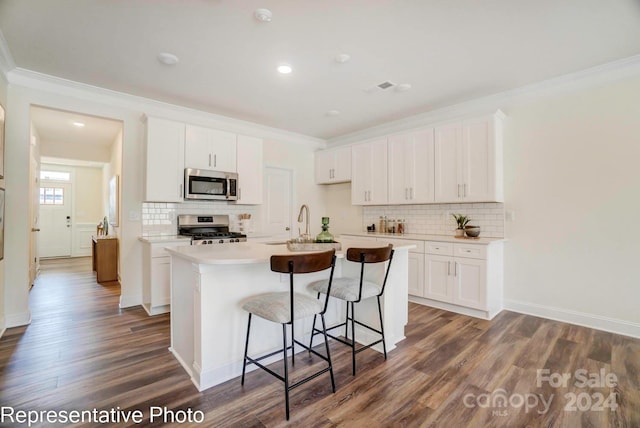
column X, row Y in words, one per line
column 210, row 185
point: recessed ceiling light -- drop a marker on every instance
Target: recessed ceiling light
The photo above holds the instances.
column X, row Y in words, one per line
column 78, row 124
column 285, row 69
column 403, row 87
column 263, row 15
column 342, row 58
column 333, row 113
column 167, row 58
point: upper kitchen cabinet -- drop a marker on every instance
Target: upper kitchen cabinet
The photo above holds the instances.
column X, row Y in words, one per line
column 164, row 150
column 210, row 149
column 410, row 167
column 369, row 173
column 468, row 160
column 250, row 170
column 333, row 165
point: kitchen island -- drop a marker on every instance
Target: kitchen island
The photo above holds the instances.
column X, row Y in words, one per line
column 210, row 283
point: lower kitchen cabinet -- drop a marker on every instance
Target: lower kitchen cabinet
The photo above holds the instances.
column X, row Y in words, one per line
column 156, row 276
column 458, row 277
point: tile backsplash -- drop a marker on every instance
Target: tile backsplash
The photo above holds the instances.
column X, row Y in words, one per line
column 160, row 219
column 436, row 219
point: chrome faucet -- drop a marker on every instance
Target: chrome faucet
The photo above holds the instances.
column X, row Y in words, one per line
column 304, row 207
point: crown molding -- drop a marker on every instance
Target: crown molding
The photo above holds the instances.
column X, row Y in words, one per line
column 584, row 79
column 146, row 106
column 6, row 59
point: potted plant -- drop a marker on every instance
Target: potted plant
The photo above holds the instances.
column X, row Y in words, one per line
column 461, row 221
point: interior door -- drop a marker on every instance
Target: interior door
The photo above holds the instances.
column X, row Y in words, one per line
column 277, row 205
column 55, row 219
column 34, row 209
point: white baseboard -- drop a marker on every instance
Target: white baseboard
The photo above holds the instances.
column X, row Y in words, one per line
column 156, row 310
column 476, row 313
column 597, row 322
column 2, row 326
column 17, row 320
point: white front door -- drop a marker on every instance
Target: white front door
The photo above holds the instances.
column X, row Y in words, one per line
column 277, row 203
column 55, row 219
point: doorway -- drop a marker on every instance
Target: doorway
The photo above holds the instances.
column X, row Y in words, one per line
column 278, row 185
column 55, row 218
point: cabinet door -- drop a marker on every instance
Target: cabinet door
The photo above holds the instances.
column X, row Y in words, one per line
column 470, row 283
column 324, row 166
column 342, row 162
column 160, row 281
column 197, row 152
column 416, row 274
column 223, row 150
column 437, row 277
column 164, row 177
column 478, row 161
column 447, row 156
column 250, row 170
column 420, row 167
column 378, row 186
column 361, row 174
column 400, row 152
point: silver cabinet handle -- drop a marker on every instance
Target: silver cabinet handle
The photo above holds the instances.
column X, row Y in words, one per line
column 365, row 196
column 209, row 159
column 458, row 190
column 180, row 190
column 240, row 193
column 448, row 268
column 411, row 193
column 215, row 161
column 455, row 268
column 464, row 188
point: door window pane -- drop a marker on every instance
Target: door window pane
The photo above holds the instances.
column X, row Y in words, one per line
column 51, row 196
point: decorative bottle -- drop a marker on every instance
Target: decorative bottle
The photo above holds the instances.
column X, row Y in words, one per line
column 325, row 236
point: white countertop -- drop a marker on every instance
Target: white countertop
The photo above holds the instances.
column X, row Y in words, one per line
column 163, row 239
column 436, row 238
column 246, row 252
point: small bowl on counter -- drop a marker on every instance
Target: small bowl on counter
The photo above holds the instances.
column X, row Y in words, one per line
column 472, row 231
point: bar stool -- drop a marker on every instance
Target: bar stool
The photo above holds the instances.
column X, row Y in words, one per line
column 286, row 307
column 354, row 290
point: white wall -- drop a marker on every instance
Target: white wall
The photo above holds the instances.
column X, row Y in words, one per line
column 344, row 216
column 572, row 179
column 112, row 169
column 86, row 152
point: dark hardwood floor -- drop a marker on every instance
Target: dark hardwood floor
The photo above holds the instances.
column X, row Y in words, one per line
column 82, row 352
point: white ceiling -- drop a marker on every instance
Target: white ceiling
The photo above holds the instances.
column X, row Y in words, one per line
column 56, row 126
column 448, row 50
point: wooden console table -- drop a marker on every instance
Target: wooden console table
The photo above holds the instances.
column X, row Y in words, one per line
column 105, row 258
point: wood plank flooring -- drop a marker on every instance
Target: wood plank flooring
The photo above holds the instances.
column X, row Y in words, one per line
column 82, row 352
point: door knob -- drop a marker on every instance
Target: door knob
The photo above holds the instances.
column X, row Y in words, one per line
column 33, row 229
column 287, row 228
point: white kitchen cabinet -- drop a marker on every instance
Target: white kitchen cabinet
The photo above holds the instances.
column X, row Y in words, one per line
column 156, row 263
column 164, row 160
column 410, row 167
column 250, row 170
column 438, row 281
column 333, row 165
column 369, row 173
column 468, row 160
column 209, row 149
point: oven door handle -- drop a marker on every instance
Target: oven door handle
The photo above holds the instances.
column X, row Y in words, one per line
column 228, row 188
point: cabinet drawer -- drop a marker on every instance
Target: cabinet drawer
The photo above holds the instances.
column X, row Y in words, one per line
column 398, row 242
column 470, row 251
column 443, row 248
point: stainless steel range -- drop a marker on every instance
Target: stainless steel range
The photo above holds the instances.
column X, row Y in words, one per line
column 208, row 229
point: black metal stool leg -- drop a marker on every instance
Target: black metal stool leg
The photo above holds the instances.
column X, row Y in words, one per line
column 353, row 338
column 286, row 370
column 313, row 329
column 293, row 346
column 326, row 344
column 346, row 323
column 384, row 345
column 246, row 348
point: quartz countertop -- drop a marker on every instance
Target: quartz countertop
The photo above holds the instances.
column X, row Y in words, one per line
column 419, row 237
column 163, row 239
column 246, row 252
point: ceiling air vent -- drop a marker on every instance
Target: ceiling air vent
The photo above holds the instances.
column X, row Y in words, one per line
column 379, row 87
